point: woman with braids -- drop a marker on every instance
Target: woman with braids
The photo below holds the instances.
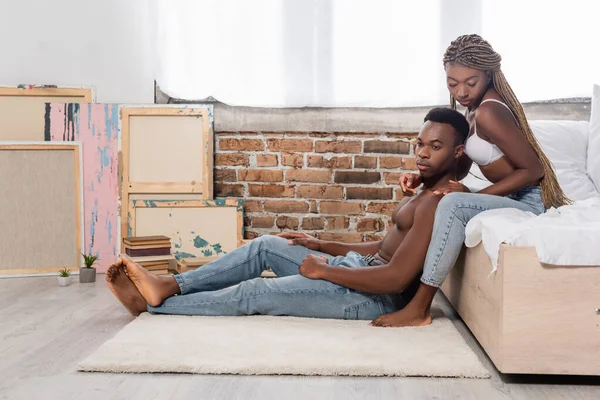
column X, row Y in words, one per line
column 502, row 144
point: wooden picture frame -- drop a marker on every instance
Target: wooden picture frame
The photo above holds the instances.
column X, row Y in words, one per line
column 22, row 110
column 188, row 233
column 76, row 206
column 85, row 94
column 202, row 182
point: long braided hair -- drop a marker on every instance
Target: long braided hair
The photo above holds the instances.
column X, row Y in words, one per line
column 474, row 52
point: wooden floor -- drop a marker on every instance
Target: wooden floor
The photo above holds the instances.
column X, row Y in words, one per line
column 47, row 329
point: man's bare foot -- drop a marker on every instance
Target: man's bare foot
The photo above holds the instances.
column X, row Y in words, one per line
column 402, row 318
column 124, row 290
column 154, row 289
column 416, row 313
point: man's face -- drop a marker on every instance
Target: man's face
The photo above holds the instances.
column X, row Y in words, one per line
column 436, row 149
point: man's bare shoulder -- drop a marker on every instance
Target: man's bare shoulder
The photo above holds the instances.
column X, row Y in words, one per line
column 427, row 205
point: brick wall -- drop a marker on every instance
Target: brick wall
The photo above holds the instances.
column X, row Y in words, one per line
column 340, row 186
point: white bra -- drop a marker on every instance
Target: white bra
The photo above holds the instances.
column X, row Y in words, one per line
column 480, row 151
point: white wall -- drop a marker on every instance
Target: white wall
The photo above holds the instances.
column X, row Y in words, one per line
column 100, row 43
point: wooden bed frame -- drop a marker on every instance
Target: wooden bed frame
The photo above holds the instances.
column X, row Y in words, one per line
column 530, row 318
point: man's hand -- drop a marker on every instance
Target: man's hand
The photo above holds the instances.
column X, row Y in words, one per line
column 301, row 239
column 313, row 267
column 452, row 186
column 409, row 182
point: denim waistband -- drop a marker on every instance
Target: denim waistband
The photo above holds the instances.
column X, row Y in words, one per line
column 372, row 260
column 532, row 196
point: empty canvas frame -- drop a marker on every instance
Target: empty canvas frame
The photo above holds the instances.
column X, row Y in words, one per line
column 204, row 229
column 22, row 110
column 40, row 207
column 165, row 150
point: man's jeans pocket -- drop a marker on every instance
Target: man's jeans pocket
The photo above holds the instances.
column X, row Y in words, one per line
column 367, row 309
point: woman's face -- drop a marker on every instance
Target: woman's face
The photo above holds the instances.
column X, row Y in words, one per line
column 466, row 85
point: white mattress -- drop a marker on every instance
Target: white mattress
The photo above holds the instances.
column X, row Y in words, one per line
column 568, row 236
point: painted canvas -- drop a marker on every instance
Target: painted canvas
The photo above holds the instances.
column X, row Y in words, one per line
column 204, row 229
column 96, row 126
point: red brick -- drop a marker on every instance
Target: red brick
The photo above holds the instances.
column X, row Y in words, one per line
column 392, row 178
column 337, row 223
column 252, row 206
column 365, row 162
column 249, row 235
column 344, row 237
column 370, row 225
column 402, row 135
column 307, row 175
column 369, row 193
column 263, row 221
column 313, row 223
column 409, row 163
column 387, row 147
column 292, row 160
column 338, row 146
column 365, row 177
column 390, row 162
column 290, row 145
column 382, row 208
column 335, row 162
column 398, row 194
column 341, row 207
column 225, row 175
column 227, row 190
column 260, row 175
column 271, row 190
column 242, row 144
column 321, row 134
column 285, row 206
column 284, row 222
column 320, row 192
column 374, row 237
column 313, row 207
column 266, row 160
column 273, row 134
column 231, row 159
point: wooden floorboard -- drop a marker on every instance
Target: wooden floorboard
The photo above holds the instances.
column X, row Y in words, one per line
column 46, row 330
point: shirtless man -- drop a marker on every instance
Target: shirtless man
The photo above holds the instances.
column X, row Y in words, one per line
column 315, row 278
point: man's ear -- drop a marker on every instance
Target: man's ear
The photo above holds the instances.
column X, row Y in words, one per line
column 459, row 151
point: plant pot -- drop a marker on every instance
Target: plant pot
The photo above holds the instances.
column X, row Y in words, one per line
column 65, row 281
column 87, row 275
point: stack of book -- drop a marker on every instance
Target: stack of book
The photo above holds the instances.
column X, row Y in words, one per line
column 151, row 252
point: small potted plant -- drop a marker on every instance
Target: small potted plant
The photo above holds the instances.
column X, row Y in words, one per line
column 64, row 277
column 88, row 273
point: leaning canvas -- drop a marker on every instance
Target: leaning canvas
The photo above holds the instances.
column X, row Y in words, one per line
column 96, row 126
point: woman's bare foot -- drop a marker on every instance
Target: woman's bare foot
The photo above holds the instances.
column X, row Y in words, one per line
column 155, row 289
column 124, row 290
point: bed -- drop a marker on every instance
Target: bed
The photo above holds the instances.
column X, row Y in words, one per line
column 527, row 287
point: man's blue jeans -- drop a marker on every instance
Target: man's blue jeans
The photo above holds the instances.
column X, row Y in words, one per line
column 231, row 285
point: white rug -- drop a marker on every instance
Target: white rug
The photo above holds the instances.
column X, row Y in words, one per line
column 263, row 345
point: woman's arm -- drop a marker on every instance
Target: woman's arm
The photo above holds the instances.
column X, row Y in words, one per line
column 497, row 124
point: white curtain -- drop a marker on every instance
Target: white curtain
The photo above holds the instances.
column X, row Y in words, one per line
column 376, row 53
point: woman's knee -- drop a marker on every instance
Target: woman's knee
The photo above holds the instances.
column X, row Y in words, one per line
column 450, row 202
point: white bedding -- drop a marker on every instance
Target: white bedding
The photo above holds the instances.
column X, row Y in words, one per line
column 569, row 235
